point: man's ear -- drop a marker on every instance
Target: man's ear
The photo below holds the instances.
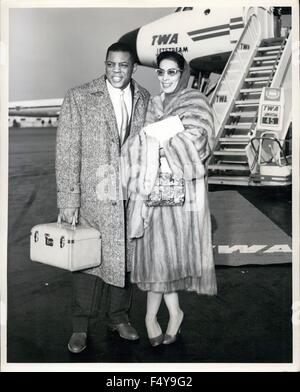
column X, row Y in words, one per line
column 134, row 67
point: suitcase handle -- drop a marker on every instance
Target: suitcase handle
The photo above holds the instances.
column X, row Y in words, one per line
column 74, row 220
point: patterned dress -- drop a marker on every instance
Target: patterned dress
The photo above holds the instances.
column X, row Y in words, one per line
column 173, row 246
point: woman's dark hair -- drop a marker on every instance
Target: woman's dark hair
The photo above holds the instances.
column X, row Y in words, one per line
column 171, row 55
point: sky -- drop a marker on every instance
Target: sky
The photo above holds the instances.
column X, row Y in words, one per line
column 54, row 49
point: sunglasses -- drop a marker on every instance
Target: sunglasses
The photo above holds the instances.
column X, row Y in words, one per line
column 170, row 72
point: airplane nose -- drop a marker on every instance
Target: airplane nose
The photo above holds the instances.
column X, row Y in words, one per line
column 130, row 39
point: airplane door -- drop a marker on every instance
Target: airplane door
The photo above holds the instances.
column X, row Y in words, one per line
column 266, row 19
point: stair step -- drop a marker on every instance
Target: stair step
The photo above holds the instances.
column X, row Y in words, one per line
column 234, row 140
column 223, row 179
column 243, row 136
column 247, row 102
column 267, row 48
column 234, row 162
column 233, row 149
column 264, row 58
column 270, row 62
column 262, row 71
column 242, row 114
column 272, row 41
column 232, row 152
column 245, row 125
column 257, row 79
column 262, row 68
column 270, row 52
column 222, row 166
column 240, row 138
column 251, row 90
column 260, row 82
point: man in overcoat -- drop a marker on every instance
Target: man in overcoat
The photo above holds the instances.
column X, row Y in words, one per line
column 95, row 120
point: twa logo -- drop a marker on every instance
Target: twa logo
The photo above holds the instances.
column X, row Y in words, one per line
column 226, row 249
column 164, row 39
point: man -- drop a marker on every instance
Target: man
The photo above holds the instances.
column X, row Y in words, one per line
column 95, row 120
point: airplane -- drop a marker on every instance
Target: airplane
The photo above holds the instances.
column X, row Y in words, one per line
column 36, row 108
column 205, row 36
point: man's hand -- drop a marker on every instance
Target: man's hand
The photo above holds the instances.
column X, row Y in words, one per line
column 67, row 214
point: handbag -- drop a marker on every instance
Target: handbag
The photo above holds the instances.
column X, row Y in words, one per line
column 65, row 245
column 167, row 191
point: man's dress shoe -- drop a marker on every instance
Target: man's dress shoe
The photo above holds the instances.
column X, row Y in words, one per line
column 77, row 342
column 125, row 330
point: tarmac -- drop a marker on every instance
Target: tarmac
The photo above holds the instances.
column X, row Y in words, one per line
column 249, row 321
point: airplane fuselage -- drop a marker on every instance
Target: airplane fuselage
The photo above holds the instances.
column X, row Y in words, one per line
column 192, row 33
column 37, row 108
column 205, row 36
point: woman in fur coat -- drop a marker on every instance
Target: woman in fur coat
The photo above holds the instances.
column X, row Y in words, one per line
column 173, row 246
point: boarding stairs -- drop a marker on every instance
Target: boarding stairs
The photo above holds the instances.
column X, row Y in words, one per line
column 252, row 65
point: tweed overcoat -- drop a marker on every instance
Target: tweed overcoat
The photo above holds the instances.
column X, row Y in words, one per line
column 88, row 168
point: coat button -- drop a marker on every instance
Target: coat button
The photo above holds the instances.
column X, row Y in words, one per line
column 114, row 203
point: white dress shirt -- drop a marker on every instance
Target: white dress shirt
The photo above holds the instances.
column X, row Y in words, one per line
column 114, row 94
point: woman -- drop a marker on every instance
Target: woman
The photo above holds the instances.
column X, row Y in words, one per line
column 173, row 248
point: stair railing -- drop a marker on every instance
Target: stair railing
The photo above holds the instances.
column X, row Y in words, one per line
column 269, row 82
column 235, row 72
column 283, row 79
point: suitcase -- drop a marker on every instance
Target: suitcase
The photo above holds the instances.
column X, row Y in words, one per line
column 65, row 245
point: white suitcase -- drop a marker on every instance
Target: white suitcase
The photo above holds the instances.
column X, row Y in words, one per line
column 65, row 246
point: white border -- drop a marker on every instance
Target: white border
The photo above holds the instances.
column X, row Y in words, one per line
column 295, row 189
column 137, row 367
column 3, row 174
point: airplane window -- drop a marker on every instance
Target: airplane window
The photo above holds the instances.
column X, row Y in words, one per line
column 206, row 12
column 187, row 8
column 178, row 9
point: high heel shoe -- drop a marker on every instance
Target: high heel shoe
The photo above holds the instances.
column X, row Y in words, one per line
column 157, row 340
column 169, row 339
